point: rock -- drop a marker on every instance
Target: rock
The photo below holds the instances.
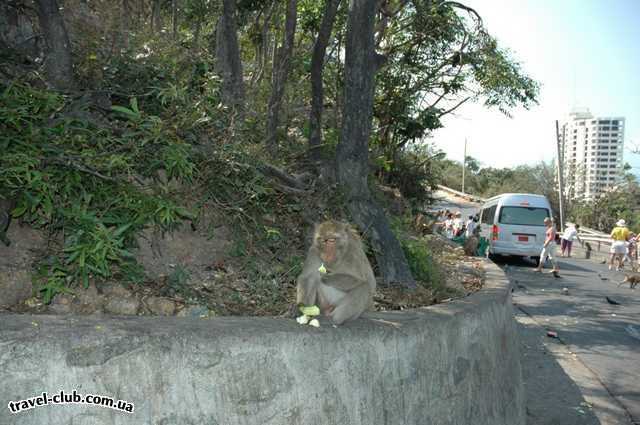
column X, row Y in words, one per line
column 193, row 250
column 15, row 287
column 61, row 304
column 115, row 290
column 25, row 245
column 161, row 306
column 122, row 306
column 87, row 300
column 468, row 270
column 195, row 311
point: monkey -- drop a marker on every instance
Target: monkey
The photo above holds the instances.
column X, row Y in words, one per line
column 336, row 274
column 631, row 279
column 424, row 224
column 471, row 246
column 472, row 242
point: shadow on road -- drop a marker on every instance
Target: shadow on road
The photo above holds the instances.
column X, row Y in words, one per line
column 502, row 260
column 552, row 396
column 592, row 317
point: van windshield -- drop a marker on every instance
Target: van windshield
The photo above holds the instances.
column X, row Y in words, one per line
column 523, row 216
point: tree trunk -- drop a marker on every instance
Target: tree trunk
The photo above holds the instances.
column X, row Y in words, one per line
column 228, row 62
column 352, row 154
column 196, row 36
column 58, row 65
column 317, row 66
column 281, row 69
column 126, row 23
column 174, row 17
column 156, row 22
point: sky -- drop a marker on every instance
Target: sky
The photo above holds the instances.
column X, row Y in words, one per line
column 584, row 53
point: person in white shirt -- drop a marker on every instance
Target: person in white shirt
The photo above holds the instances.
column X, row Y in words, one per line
column 448, row 226
column 470, row 227
column 570, row 234
column 458, row 224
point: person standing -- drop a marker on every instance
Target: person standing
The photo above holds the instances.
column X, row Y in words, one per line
column 632, row 248
column 570, row 234
column 448, row 226
column 549, row 247
column 470, row 227
column 458, row 224
column 619, row 236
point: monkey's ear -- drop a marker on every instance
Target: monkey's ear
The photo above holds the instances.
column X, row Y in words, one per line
column 352, row 231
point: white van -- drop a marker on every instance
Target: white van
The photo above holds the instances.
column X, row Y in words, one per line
column 513, row 223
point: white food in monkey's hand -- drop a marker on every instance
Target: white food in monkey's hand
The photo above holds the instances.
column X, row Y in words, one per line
column 303, row 320
column 311, row 310
column 322, row 269
column 315, row 323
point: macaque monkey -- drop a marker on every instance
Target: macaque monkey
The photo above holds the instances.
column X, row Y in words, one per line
column 471, row 246
column 631, row 279
column 424, row 224
column 337, row 275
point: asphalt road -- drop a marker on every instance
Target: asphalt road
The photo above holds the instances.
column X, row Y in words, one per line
column 598, row 344
column 453, row 204
column 604, row 337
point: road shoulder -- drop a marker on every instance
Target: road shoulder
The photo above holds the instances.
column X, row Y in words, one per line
column 560, row 388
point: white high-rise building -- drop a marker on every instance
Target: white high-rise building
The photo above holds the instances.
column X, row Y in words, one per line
column 591, row 149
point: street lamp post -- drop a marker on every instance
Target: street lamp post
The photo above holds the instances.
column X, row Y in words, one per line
column 464, row 162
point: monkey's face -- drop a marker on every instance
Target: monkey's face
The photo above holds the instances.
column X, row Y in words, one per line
column 330, row 240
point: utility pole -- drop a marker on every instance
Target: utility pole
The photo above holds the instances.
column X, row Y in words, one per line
column 560, row 177
column 464, row 162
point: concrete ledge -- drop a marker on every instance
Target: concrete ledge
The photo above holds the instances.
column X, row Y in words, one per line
column 462, row 195
column 456, row 363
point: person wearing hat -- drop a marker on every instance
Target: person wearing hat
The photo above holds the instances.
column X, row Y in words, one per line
column 620, row 236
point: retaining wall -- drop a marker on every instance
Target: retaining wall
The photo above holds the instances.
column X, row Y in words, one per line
column 455, row 363
column 467, row 196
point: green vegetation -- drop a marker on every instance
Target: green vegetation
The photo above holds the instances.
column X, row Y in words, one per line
column 148, row 131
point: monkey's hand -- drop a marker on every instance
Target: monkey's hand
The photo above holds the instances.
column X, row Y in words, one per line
column 343, row 281
column 307, row 289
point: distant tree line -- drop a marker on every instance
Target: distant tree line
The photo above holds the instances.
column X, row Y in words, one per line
column 621, row 201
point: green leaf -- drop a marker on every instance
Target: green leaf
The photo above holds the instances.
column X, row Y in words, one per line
column 126, row 111
column 134, row 105
column 120, row 230
column 19, row 211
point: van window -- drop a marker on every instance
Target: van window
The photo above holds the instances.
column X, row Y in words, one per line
column 525, row 216
column 488, row 214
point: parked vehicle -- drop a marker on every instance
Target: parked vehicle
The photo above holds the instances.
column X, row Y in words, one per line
column 513, row 224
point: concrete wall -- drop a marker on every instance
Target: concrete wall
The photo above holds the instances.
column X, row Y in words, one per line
column 448, row 364
column 467, row 196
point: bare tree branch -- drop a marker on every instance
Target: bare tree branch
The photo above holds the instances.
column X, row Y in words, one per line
column 463, row 7
column 456, row 106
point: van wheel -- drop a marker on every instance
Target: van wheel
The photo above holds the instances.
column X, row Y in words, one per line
column 536, row 260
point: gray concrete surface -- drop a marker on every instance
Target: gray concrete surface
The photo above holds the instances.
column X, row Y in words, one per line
column 455, row 363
